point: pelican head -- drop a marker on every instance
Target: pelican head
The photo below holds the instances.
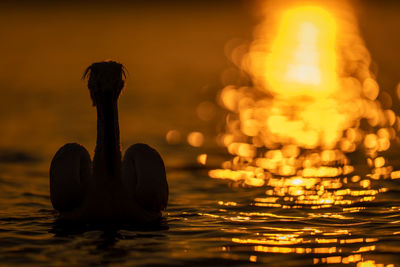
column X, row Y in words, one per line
column 105, row 78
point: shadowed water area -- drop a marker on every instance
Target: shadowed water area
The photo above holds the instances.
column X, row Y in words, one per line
column 346, row 213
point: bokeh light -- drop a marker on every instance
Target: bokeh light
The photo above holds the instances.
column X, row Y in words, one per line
column 311, row 90
column 312, row 101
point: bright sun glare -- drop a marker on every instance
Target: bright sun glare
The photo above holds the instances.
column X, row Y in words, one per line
column 303, row 63
column 303, row 56
column 311, row 89
column 314, row 73
column 312, row 100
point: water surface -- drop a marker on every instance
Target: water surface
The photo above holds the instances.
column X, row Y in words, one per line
column 208, row 221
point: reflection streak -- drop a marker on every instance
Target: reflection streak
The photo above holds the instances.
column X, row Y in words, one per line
column 291, row 131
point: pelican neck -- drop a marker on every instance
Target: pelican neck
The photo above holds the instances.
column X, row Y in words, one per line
column 107, row 159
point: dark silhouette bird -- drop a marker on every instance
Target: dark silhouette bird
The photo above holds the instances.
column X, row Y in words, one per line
column 108, row 189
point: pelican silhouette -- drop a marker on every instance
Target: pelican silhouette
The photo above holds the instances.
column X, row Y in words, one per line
column 108, row 189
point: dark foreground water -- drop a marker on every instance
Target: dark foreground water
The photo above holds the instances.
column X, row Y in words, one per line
column 347, row 219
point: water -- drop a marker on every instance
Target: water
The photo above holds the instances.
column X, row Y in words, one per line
column 208, row 221
column 341, row 219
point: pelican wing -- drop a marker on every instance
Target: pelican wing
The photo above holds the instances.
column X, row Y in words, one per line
column 70, row 171
column 143, row 172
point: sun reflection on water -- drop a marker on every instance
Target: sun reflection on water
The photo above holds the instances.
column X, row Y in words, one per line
column 311, row 107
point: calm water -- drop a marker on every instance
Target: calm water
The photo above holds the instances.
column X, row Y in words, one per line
column 208, row 221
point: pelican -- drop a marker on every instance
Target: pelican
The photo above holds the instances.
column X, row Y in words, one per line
column 108, row 189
